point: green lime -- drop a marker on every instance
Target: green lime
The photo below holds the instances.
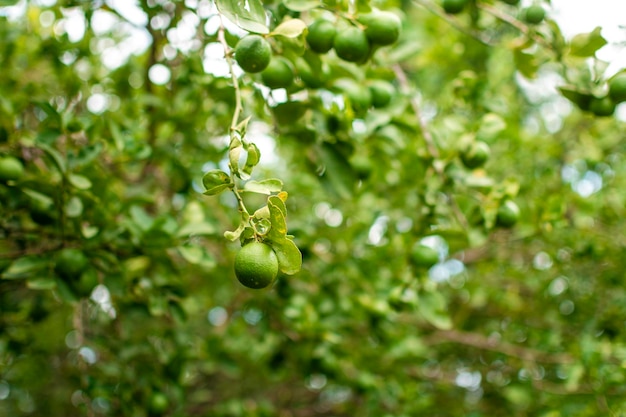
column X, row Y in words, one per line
column 321, row 36
column 508, row 214
column 87, row 282
column 352, row 45
column 308, row 77
column 453, row 6
column 534, row 14
column 253, row 53
column 11, row 169
column 475, row 155
column 602, row 106
column 256, row 265
column 70, row 263
column 359, row 98
column 382, row 92
column 278, row 73
column 424, row 256
column 617, row 88
column 159, row 403
column 381, row 28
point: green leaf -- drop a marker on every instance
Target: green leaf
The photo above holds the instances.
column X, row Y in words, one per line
column 74, row 207
column 254, row 156
column 288, row 254
column 249, row 15
column 301, row 5
column 216, row 181
column 242, row 127
column 25, row 267
column 4, row 3
column 337, row 175
column 55, row 155
column 527, row 64
column 587, row 44
column 290, row 29
column 141, row 218
column 491, row 126
column 234, row 235
column 268, row 186
column 42, row 283
column 278, row 230
column 196, row 255
column 79, row 181
column 432, row 306
column 575, row 95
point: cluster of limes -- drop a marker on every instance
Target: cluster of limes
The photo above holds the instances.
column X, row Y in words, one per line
column 253, row 53
column 602, row 105
column 605, row 106
column 533, row 14
column 353, row 43
column 358, row 40
column 71, row 264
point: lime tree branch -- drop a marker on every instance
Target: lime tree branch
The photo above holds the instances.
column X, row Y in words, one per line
column 525, row 29
column 486, row 343
column 428, row 138
column 452, row 21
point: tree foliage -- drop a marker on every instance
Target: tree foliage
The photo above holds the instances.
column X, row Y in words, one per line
column 447, row 223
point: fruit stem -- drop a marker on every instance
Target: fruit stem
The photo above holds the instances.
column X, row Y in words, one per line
column 235, row 120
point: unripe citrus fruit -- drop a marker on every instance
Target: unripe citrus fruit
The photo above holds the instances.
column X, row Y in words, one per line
column 382, row 92
column 308, row 77
column 256, row 265
column 86, row 283
column 508, row 214
column 159, row 403
column 381, row 28
column 321, row 36
column 11, row 169
column 534, row 14
column 351, row 45
column 475, row 155
column 424, row 256
column 70, row 263
column 278, row 73
column 253, row 53
column 359, row 98
column 617, row 88
column 602, row 106
column 453, row 6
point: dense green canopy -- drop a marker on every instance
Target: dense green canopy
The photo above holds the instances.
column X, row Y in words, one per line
column 446, row 209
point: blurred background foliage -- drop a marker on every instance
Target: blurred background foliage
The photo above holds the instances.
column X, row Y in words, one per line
column 116, row 112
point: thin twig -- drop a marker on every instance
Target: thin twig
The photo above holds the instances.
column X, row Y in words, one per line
column 485, row 343
column 497, row 13
column 452, row 21
column 428, row 138
column 236, row 114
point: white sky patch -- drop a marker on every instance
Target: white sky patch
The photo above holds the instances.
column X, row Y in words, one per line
column 581, row 16
column 130, row 11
